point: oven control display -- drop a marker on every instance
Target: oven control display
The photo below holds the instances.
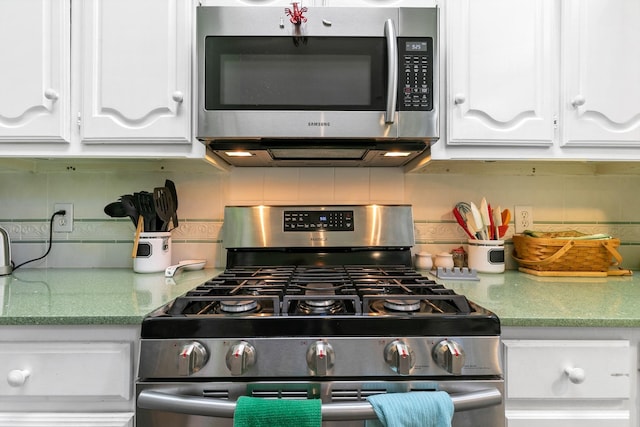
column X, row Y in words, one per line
column 318, row 221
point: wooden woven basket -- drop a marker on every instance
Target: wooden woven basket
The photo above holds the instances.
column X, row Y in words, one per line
column 565, row 255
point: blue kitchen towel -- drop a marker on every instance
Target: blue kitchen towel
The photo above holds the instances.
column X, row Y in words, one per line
column 414, row 409
column 257, row 412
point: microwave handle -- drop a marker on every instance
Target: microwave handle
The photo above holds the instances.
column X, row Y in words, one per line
column 392, row 70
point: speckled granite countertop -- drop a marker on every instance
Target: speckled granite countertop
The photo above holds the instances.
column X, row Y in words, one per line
column 521, row 299
column 88, row 296
column 120, row 296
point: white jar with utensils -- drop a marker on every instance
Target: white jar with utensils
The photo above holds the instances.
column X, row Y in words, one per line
column 486, row 256
column 154, row 252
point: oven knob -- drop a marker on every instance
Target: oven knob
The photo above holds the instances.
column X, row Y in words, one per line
column 320, row 357
column 192, row 358
column 449, row 356
column 399, row 356
column 240, row 357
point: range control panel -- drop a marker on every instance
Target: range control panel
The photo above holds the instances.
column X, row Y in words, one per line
column 415, row 80
column 318, row 221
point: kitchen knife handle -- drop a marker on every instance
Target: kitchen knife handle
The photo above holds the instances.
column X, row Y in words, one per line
column 392, row 70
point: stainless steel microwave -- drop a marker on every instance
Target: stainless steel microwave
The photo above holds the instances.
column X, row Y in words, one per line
column 318, row 85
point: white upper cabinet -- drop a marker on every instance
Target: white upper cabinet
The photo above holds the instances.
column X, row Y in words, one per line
column 541, row 79
column 97, row 78
column 601, row 73
column 500, row 81
column 34, row 71
column 135, row 71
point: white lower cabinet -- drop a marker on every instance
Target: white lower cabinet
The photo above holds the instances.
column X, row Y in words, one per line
column 67, row 376
column 566, row 419
column 53, row 419
column 570, row 382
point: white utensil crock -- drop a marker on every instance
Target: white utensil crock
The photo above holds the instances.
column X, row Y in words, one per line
column 154, row 252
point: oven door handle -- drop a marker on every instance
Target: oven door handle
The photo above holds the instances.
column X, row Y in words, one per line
column 392, row 70
column 171, row 401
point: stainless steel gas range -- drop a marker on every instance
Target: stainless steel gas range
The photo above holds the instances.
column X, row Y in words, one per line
column 317, row 302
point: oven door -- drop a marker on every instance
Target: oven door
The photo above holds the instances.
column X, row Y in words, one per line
column 476, row 402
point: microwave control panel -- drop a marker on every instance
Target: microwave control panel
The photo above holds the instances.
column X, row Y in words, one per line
column 415, row 82
column 318, row 221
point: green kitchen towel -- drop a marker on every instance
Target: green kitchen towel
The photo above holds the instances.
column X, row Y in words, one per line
column 257, row 412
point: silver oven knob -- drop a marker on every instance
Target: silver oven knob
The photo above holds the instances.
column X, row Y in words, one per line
column 449, row 355
column 240, row 357
column 399, row 356
column 192, row 358
column 320, row 358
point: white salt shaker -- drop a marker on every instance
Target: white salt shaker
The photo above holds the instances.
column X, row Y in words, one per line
column 444, row 260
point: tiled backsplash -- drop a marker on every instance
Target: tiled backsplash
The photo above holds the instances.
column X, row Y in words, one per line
column 561, row 199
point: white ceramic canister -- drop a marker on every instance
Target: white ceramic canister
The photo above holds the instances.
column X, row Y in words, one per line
column 154, row 252
column 423, row 261
column 486, row 256
column 444, row 260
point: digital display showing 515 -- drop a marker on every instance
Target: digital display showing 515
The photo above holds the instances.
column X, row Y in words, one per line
column 416, row 46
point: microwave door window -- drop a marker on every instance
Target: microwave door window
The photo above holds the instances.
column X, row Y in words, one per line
column 311, row 74
column 288, row 80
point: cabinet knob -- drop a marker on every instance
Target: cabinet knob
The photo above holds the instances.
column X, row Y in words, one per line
column 578, row 101
column 459, row 98
column 17, row 377
column 177, row 96
column 576, row 375
column 51, row 94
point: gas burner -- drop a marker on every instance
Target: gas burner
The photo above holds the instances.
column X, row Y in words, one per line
column 238, row 306
column 320, row 299
column 319, row 288
column 402, row 304
column 321, row 306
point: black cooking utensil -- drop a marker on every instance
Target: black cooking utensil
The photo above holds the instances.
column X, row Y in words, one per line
column 169, row 185
column 129, row 205
column 164, row 206
column 115, row 210
column 147, row 209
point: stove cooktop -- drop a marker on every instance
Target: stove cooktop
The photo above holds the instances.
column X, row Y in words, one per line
column 319, row 301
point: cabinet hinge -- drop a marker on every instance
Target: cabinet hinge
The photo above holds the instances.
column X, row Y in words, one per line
column 555, row 122
column 79, row 119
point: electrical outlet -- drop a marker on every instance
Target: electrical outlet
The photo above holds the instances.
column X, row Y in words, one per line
column 63, row 223
column 523, row 218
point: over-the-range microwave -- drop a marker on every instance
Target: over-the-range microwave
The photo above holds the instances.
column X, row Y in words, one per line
column 317, row 86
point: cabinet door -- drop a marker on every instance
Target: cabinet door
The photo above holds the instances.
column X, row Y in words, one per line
column 567, row 369
column 601, row 83
column 34, row 71
column 66, row 370
column 575, row 418
column 66, row 419
column 499, row 69
column 136, row 71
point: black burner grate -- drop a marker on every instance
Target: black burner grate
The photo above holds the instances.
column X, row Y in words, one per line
column 320, row 291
